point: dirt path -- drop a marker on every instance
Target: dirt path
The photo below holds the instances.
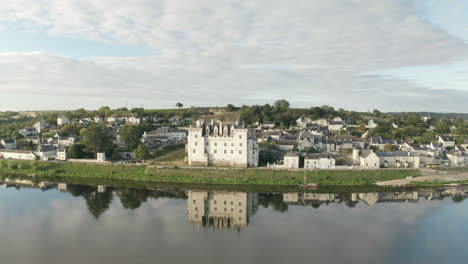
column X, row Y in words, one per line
column 429, row 175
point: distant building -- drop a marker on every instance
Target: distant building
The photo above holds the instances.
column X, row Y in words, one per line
column 291, row 160
column 319, row 161
column 8, row 144
column 447, row 141
column 375, row 160
column 62, row 120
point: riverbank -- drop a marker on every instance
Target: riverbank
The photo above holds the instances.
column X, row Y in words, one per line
column 432, row 177
column 250, row 176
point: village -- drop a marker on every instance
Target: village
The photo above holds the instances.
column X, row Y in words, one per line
column 206, row 140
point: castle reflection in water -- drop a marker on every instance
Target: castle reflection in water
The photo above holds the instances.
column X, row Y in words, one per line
column 221, row 209
column 230, row 209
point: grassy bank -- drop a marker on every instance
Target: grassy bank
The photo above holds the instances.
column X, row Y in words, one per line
column 200, row 176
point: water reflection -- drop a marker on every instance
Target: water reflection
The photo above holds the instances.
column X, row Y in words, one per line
column 231, row 209
column 67, row 223
column 221, row 209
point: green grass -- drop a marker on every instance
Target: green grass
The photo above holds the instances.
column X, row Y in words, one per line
column 200, row 175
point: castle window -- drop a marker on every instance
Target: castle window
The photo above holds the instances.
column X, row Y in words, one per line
column 214, row 201
column 216, row 144
column 194, row 201
column 196, row 143
column 193, row 151
column 240, row 203
column 232, row 151
column 225, row 144
column 240, row 136
column 232, row 144
column 240, row 144
column 225, row 151
column 215, row 151
column 240, row 151
column 232, row 203
column 196, row 136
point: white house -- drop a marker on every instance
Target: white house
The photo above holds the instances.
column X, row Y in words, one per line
column 375, row 160
column 8, row 144
column 291, row 160
column 335, row 126
column 62, row 154
column 371, row 124
column 133, row 120
column 303, row 122
column 319, row 161
column 447, row 141
column 457, row 158
column 46, row 152
column 62, row 120
column 17, row 154
column 221, row 144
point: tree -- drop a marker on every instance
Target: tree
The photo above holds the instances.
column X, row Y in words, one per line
column 97, row 139
column 281, row 105
column 76, row 151
column 130, row 135
column 70, row 129
column 141, row 152
column 230, row 107
column 105, row 111
column 389, row 148
column 179, row 105
column 138, row 110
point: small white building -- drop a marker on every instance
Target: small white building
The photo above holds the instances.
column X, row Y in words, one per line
column 62, row 120
column 101, row 157
column 62, row 154
column 371, row 124
column 376, row 160
column 17, row 154
column 46, row 152
column 291, row 160
column 447, row 141
column 319, row 161
column 8, row 144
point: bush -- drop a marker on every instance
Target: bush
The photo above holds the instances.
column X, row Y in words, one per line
column 12, row 165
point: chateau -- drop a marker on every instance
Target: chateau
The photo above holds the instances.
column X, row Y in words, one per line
column 221, row 144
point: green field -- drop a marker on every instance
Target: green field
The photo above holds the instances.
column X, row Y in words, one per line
column 251, row 176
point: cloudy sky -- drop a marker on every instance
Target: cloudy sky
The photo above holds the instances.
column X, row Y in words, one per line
column 394, row 55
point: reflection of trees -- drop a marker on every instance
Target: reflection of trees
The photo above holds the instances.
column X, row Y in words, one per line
column 97, row 203
column 458, row 198
column 132, row 198
column 275, row 200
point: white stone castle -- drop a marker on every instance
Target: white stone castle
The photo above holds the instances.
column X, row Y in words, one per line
column 221, row 144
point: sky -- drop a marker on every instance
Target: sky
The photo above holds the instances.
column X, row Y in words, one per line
column 392, row 55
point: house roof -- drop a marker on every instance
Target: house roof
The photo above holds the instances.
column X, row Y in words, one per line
column 393, row 154
column 8, row 141
column 291, row 154
column 46, row 148
column 447, row 138
column 318, row 156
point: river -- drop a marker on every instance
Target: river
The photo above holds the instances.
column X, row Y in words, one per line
column 63, row 223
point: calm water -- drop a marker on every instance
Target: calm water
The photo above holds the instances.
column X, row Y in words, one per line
column 87, row 224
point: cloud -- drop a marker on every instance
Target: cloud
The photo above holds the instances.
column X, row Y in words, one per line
column 234, row 51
